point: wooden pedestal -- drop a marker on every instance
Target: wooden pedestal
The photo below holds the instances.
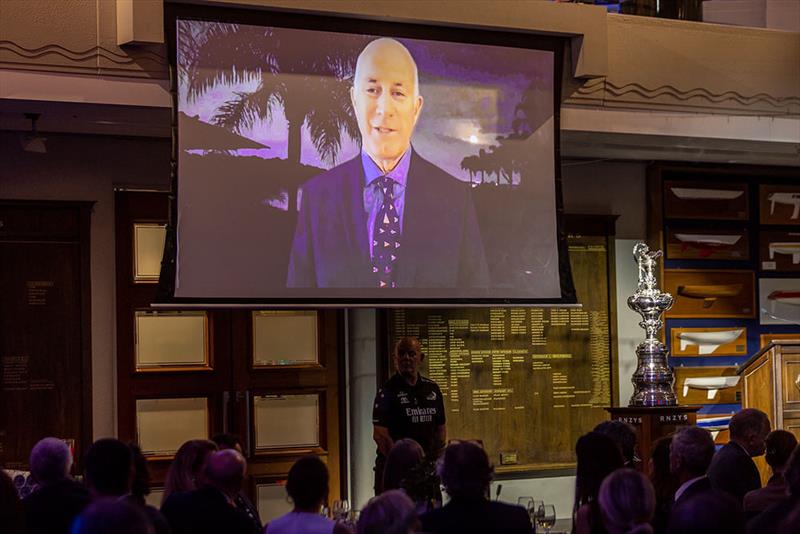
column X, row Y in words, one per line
column 652, row 423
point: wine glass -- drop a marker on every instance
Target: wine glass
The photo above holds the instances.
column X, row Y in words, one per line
column 340, row 509
column 525, row 501
column 536, row 509
column 546, row 517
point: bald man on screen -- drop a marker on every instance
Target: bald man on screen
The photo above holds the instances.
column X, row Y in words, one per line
column 387, row 218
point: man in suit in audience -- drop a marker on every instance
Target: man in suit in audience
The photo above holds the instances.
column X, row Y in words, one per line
column 58, row 499
column 698, row 507
column 733, row 469
column 212, row 509
column 466, row 473
column 109, row 473
column 387, row 218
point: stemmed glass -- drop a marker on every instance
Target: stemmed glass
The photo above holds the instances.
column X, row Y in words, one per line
column 526, row 502
column 536, row 509
column 340, row 510
column 546, row 517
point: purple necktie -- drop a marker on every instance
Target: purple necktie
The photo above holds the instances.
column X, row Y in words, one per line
column 385, row 236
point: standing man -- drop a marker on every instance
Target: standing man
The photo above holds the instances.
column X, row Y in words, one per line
column 733, row 469
column 407, row 406
column 387, row 218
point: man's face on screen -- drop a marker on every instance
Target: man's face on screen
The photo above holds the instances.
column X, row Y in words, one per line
column 386, row 100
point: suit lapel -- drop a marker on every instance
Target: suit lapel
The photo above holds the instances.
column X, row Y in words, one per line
column 356, row 226
column 419, row 209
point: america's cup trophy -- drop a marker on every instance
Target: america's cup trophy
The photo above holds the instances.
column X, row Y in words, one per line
column 652, row 381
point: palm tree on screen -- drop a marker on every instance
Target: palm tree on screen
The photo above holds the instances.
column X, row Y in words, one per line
column 300, row 74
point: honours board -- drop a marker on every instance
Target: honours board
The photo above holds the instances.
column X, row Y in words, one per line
column 527, row 382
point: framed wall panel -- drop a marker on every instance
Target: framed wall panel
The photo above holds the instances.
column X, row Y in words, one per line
column 710, row 293
column 286, row 421
column 163, row 425
column 779, row 301
column 709, row 341
column 166, row 340
column 707, row 385
column 779, row 251
column 779, row 204
column 706, row 200
column 766, row 339
column 285, row 338
column 272, row 500
column 707, row 243
column 148, row 248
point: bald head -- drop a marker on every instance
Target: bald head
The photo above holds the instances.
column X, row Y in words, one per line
column 386, row 100
column 225, row 470
column 388, row 54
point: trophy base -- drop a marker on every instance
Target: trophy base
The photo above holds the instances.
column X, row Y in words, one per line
column 651, row 423
column 654, row 396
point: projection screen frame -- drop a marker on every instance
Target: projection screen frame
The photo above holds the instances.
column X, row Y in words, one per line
column 165, row 295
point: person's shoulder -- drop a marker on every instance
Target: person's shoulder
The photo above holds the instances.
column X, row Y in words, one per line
column 332, row 178
column 394, row 383
column 431, row 171
column 427, row 382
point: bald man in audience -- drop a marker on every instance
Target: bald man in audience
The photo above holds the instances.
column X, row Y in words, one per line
column 387, row 218
column 733, row 469
column 212, row 508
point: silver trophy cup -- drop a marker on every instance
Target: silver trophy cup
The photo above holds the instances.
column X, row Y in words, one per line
column 653, row 378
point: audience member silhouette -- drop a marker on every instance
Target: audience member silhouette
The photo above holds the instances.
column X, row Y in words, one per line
column 779, row 515
column 466, row 473
column 624, row 435
column 110, row 472
column 106, row 516
column 392, row 512
column 242, row 502
column 698, row 507
column 11, row 516
column 187, row 468
column 404, row 456
column 733, row 469
column 307, row 487
column 210, row 509
column 780, row 445
column 627, row 502
column 664, row 482
column 598, row 456
column 58, row 499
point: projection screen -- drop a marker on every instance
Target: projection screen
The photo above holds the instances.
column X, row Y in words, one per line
column 329, row 167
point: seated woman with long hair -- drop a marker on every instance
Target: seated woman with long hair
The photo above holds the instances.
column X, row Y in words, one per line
column 186, row 470
column 627, row 502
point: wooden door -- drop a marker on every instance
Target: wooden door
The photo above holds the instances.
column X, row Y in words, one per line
column 45, row 326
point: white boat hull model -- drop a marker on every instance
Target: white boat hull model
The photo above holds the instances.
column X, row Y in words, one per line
column 690, row 193
column 712, row 384
column 708, row 342
column 792, row 199
column 792, row 249
column 709, row 239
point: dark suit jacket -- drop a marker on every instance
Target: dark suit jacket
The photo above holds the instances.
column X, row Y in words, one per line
column 204, row 511
column 770, row 520
column 483, row 516
column 51, row 509
column 733, row 471
column 703, row 509
column 440, row 247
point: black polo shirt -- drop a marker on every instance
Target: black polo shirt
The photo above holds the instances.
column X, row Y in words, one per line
column 410, row 411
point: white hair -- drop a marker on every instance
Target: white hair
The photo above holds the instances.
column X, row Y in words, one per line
column 50, row 460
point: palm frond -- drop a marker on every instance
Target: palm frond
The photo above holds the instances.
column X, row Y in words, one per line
column 226, row 54
column 329, row 118
column 245, row 109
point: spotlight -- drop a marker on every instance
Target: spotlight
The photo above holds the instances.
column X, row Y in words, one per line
column 33, row 142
